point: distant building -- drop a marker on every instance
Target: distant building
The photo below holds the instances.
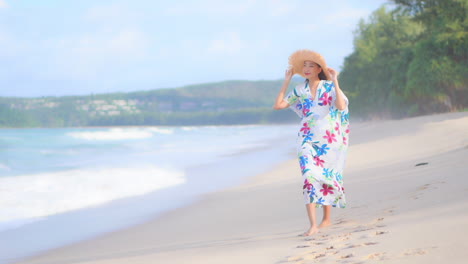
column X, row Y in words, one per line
column 165, row 107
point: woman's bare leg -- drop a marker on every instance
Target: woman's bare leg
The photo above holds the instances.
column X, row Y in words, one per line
column 326, row 221
column 312, row 219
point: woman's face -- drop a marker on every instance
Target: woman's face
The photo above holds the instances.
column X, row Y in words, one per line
column 311, row 69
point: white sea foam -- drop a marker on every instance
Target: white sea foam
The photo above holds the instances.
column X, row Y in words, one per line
column 39, row 195
column 189, row 128
column 112, row 134
column 165, row 131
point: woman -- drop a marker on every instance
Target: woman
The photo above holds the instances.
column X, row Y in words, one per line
column 323, row 137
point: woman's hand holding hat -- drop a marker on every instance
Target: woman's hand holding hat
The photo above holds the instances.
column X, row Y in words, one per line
column 333, row 74
column 288, row 74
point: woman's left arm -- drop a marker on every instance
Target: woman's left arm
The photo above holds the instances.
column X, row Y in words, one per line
column 340, row 102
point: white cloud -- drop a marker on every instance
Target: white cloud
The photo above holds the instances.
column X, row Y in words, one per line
column 304, row 28
column 116, row 13
column 347, row 17
column 10, row 46
column 227, row 43
column 3, row 4
column 110, row 43
column 211, row 7
column 280, row 8
column 89, row 55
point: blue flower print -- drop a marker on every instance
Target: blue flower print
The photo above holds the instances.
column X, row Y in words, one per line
column 328, row 86
column 303, row 160
column 333, row 112
column 312, row 191
column 338, row 177
column 327, row 173
column 321, row 200
column 308, row 103
column 308, row 136
column 345, row 118
column 323, row 149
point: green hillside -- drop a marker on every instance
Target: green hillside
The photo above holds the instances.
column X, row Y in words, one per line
column 229, row 102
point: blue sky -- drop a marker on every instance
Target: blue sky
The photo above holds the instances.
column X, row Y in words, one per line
column 54, row 48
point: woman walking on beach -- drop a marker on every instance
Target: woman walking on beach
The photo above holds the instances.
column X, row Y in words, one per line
column 324, row 134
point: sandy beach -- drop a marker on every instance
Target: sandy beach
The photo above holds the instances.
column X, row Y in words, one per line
column 407, row 195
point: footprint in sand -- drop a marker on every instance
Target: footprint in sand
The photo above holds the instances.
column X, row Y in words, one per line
column 316, row 243
column 315, row 256
column 328, row 245
column 376, row 256
column 341, row 221
column 378, row 233
column 344, row 237
column 361, row 229
column 353, row 245
column 303, row 246
column 424, row 187
column 347, row 256
column 376, row 223
column 361, row 245
column 414, row 252
column 295, row 259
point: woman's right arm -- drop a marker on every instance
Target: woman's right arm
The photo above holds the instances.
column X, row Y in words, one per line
column 280, row 103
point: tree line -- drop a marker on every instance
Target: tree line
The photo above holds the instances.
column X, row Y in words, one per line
column 410, row 60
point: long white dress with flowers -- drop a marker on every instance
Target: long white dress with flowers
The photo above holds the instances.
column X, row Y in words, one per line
column 322, row 142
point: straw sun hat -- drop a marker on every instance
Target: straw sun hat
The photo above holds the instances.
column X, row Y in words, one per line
column 296, row 62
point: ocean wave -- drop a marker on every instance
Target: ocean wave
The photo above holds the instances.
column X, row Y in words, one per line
column 39, row 195
column 189, row 128
column 112, row 134
column 165, row 131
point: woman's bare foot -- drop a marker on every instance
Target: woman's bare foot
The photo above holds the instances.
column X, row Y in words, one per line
column 325, row 224
column 311, row 231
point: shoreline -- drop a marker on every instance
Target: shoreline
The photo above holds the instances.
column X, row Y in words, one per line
column 257, row 221
column 200, row 180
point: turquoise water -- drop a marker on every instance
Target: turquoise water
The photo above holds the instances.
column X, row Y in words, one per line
column 102, row 179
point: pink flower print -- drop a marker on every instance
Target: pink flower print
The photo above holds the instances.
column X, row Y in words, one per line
column 326, row 189
column 330, row 137
column 336, row 185
column 326, row 99
column 307, row 185
column 344, row 141
column 337, row 127
column 305, row 128
column 305, row 111
column 318, row 161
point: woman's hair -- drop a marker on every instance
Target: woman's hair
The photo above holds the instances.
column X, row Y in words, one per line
column 322, row 75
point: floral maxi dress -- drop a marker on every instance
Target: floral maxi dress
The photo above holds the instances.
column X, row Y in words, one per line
column 322, row 142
